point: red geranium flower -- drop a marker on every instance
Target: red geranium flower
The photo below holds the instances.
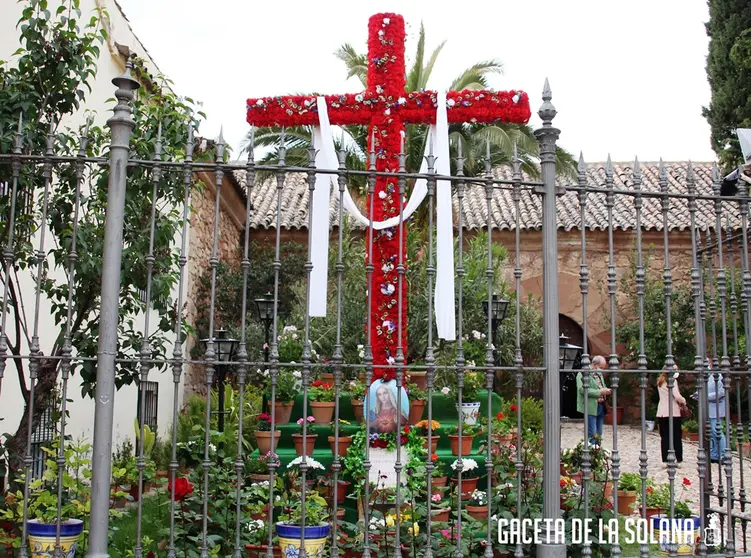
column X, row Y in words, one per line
column 514, row 408
column 406, row 428
column 434, row 457
column 316, row 383
column 500, row 416
column 686, row 482
column 264, row 416
column 182, row 488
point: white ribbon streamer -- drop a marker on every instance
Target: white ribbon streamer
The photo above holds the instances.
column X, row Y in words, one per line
column 326, row 159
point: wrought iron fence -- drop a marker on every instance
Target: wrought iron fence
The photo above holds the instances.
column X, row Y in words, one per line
column 401, row 503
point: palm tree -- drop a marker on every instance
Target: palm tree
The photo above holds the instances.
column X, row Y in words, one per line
column 473, row 138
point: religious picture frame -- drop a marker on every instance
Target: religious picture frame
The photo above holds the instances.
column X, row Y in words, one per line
column 382, row 401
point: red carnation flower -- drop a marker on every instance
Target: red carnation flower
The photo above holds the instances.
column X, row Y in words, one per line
column 406, row 429
column 686, row 482
column 182, row 488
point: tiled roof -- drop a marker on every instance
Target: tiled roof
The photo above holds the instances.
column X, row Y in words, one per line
column 294, row 214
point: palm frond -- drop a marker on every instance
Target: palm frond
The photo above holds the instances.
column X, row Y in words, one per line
column 414, row 78
column 474, row 76
column 357, row 64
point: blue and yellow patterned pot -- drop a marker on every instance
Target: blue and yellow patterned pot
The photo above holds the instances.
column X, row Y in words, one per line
column 42, row 537
column 289, row 539
column 683, row 533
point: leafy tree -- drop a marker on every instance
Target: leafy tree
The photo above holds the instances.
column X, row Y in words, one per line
column 48, row 79
column 729, row 74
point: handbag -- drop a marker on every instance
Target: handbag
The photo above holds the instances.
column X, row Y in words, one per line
column 685, row 412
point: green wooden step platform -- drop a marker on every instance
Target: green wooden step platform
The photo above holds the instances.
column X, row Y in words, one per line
column 444, row 411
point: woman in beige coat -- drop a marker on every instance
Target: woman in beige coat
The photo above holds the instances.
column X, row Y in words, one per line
column 663, row 415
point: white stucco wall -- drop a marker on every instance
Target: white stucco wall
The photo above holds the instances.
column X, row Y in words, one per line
column 110, row 65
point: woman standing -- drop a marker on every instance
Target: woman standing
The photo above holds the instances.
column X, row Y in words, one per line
column 663, row 414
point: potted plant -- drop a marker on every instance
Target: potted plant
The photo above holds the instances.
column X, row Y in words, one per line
column 421, row 429
column 477, row 506
column 258, row 537
column 658, row 499
column 570, row 492
column 467, row 439
column 287, row 388
column 418, row 398
column 629, row 485
column 257, row 469
column 339, row 446
column 470, row 407
column 685, row 521
column 468, row 469
column 265, row 442
column 502, row 426
column 357, row 389
column 308, row 439
column 322, row 399
column 326, row 489
column 42, row 502
column 691, row 430
column 418, row 377
column 438, row 475
column 745, row 446
column 313, row 533
column 259, row 494
column 295, row 476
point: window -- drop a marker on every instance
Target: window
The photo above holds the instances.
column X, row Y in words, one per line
column 149, row 390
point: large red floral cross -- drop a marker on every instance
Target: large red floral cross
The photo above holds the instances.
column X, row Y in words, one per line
column 386, row 108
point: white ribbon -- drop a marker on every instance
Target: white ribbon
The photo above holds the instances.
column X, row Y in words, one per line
column 744, row 138
column 326, row 158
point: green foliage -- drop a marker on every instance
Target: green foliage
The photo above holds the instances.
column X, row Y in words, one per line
column 149, row 438
column 729, row 75
column 655, row 325
column 316, row 509
column 630, row 482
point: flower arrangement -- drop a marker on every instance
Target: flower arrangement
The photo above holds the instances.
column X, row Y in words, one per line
column 478, row 498
column 422, row 427
column 473, row 383
column 260, row 465
column 502, row 424
column 387, row 440
column 294, row 465
column 310, row 421
column 264, row 422
column 257, row 532
column 321, row 392
column 287, row 385
column 464, row 466
column 569, row 489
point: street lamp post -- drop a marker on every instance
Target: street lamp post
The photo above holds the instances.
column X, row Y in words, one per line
column 265, row 314
column 496, row 313
column 224, row 347
column 568, row 354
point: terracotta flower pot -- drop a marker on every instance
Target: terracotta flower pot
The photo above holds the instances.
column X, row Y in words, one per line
column 283, row 411
column 478, row 513
column 416, row 409
column 626, row 502
column 263, row 514
column 433, row 442
column 343, row 443
column 327, row 378
column 466, row 448
column 438, row 482
column 504, row 438
column 322, row 411
column 357, row 409
column 468, row 486
column 746, row 449
column 420, row 379
column 310, row 442
column 654, row 511
column 441, row 515
column 259, row 478
column 265, row 442
column 618, row 416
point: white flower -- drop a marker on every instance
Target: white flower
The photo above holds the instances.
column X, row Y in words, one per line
column 289, row 328
column 445, row 391
column 387, row 111
column 259, row 102
column 379, row 89
column 360, row 347
column 294, row 336
column 451, row 103
column 471, row 364
column 212, row 447
column 310, row 462
column 359, row 98
column 516, row 98
column 402, row 101
column 376, row 523
column 466, row 464
column 381, row 32
column 478, row 334
column 382, row 195
column 391, row 360
column 386, row 20
column 296, row 374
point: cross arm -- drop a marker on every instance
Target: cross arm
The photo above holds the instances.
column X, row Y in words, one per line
column 417, row 107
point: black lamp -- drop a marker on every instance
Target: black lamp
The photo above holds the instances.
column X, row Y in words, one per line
column 265, row 312
column 224, row 347
column 567, row 353
column 496, row 313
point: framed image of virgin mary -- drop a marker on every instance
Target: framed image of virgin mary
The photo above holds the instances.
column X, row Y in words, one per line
column 383, row 402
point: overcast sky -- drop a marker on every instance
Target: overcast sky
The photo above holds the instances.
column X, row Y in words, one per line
column 628, row 78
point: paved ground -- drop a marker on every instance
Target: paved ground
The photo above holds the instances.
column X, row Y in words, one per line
column 629, row 446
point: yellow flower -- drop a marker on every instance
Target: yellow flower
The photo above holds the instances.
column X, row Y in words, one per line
column 414, row 530
column 389, row 520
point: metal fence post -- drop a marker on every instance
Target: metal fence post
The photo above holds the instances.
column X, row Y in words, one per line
column 121, row 124
column 547, row 136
